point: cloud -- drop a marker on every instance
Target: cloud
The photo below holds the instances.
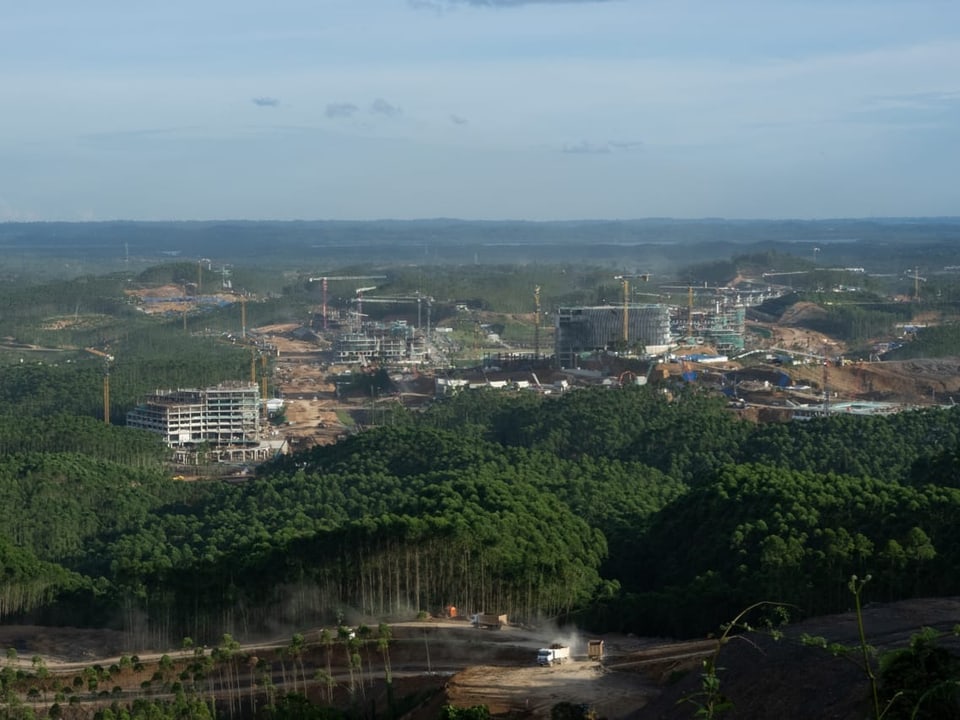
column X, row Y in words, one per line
column 341, row 110
column 909, row 108
column 439, row 4
column 625, row 144
column 586, row 147
column 265, row 102
column 382, row 107
column 457, row 120
column 915, row 101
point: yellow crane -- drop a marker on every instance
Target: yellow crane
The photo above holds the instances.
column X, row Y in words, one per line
column 107, row 359
column 625, row 284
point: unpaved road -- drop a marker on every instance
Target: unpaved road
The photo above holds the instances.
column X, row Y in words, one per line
column 537, row 689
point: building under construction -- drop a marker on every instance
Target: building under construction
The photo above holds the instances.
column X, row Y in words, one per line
column 223, row 415
column 393, row 344
column 610, row 327
column 724, row 328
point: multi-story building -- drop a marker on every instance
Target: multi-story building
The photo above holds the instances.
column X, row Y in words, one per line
column 226, row 414
column 395, row 344
column 592, row 329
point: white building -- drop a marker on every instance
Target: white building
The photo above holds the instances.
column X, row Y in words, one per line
column 226, row 414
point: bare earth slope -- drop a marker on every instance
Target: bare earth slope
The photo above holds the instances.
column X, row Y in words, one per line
column 639, row 678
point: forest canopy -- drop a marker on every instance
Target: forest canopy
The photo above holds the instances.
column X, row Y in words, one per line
column 613, row 509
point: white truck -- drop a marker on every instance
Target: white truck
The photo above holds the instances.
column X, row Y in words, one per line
column 553, row 655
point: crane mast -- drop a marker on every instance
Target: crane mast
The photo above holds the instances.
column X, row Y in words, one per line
column 326, row 278
column 625, row 284
column 107, row 359
column 826, row 388
column 536, row 322
column 396, row 300
column 106, row 395
column 263, row 381
column 243, row 317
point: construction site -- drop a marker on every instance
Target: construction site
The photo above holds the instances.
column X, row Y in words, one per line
column 707, row 336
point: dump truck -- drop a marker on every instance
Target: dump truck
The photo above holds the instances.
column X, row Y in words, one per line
column 553, row 655
column 489, row 620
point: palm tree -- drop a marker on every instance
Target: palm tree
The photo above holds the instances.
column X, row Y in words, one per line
column 326, row 639
column 327, row 682
column 225, row 654
column 344, row 634
column 296, row 652
column 383, row 645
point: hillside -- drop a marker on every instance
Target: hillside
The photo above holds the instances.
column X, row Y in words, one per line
column 440, row 662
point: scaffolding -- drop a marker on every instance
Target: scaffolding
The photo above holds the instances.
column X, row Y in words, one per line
column 396, row 344
column 226, row 414
column 724, row 329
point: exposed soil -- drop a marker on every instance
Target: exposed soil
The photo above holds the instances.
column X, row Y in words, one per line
column 173, row 299
column 790, row 680
column 301, row 377
column 448, row 662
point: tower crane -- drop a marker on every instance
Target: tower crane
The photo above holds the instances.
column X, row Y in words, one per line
column 396, row 300
column 324, row 279
column 200, row 278
column 916, row 283
column 360, row 292
column 625, row 284
column 243, row 317
column 536, row 322
column 107, row 359
column 263, row 375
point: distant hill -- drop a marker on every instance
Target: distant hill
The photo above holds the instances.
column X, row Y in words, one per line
column 651, row 243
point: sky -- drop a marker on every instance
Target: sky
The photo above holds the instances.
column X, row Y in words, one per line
column 478, row 109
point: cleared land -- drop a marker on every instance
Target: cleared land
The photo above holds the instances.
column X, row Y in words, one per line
column 448, row 662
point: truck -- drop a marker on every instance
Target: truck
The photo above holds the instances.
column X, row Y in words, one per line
column 554, row 655
column 488, row 620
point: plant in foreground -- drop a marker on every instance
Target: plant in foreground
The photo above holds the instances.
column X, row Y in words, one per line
column 917, row 682
column 709, row 700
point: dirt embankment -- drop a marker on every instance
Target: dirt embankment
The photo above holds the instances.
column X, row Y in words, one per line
column 447, row 662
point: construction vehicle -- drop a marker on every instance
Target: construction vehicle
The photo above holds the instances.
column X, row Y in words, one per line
column 488, row 621
column 556, row 654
